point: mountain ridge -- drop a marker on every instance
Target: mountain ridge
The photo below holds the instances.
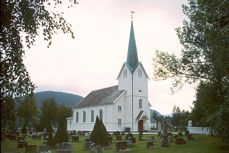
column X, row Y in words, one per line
column 64, row 98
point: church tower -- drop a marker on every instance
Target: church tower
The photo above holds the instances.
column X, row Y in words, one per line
column 134, row 80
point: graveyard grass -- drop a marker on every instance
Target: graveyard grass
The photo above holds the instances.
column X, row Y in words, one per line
column 202, row 144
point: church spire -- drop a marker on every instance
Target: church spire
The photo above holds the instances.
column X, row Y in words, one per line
column 132, row 55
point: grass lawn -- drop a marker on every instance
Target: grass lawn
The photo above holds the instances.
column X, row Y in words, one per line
column 202, row 144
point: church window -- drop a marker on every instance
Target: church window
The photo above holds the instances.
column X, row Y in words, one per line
column 139, row 72
column 101, row 114
column 140, row 103
column 119, row 108
column 84, row 116
column 70, row 122
column 119, row 121
column 125, row 73
column 77, row 116
column 92, row 115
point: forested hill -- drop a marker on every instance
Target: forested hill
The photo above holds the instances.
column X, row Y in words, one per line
column 66, row 99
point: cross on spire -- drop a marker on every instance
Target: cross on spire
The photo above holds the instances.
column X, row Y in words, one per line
column 132, row 14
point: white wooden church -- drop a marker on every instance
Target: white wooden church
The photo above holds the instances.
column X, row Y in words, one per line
column 121, row 107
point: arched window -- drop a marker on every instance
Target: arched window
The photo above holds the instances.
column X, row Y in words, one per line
column 101, row 114
column 92, row 115
column 140, row 103
column 84, row 116
column 77, row 116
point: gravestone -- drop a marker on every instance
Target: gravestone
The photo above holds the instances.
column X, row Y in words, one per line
column 150, row 142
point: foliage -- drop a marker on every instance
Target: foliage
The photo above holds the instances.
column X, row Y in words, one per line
column 210, row 111
column 48, row 118
column 205, row 52
column 180, row 118
column 24, row 129
column 21, row 22
column 27, row 111
column 50, row 131
column 53, row 115
column 99, row 134
column 204, row 60
column 62, row 134
column 48, row 112
column 62, row 113
column 8, row 114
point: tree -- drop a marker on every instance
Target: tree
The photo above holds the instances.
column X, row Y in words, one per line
column 176, row 117
column 8, row 115
column 48, row 112
column 48, row 118
column 21, row 22
column 27, row 111
column 62, row 134
column 204, row 58
column 99, row 134
column 209, row 111
column 180, row 118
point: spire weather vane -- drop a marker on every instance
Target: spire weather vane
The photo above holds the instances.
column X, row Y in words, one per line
column 132, row 14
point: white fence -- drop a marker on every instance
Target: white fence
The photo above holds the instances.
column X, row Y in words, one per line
column 198, row 130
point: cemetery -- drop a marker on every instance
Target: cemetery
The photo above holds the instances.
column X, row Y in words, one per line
column 122, row 117
column 120, row 142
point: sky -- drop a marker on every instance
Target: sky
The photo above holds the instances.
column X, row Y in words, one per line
column 94, row 58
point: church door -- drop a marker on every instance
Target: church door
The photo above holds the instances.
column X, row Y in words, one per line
column 140, row 125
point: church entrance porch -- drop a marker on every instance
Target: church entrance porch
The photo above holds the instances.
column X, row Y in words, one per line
column 140, row 125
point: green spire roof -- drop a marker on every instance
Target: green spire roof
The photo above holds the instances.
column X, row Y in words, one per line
column 132, row 55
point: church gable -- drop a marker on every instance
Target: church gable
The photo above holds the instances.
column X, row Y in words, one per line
column 125, row 71
column 141, row 71
column 100, row 97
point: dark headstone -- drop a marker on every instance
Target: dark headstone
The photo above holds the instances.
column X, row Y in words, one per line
column 180, row 141
column 120, row 146
column 31, row 149
column 150, row 142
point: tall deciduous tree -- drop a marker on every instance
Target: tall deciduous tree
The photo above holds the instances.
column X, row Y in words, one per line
column 8, row 115
column 27, row 111
column 204, row 59
column 21, row 22
column 48, row 118
column 180, row 118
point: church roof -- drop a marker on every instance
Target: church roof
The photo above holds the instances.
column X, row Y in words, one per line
column 139, row 63
column 132, row 55
column 141, row 115
column 100, row 97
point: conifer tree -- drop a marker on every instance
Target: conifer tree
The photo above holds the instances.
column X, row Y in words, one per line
column 99, row 134
column 61, row 134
